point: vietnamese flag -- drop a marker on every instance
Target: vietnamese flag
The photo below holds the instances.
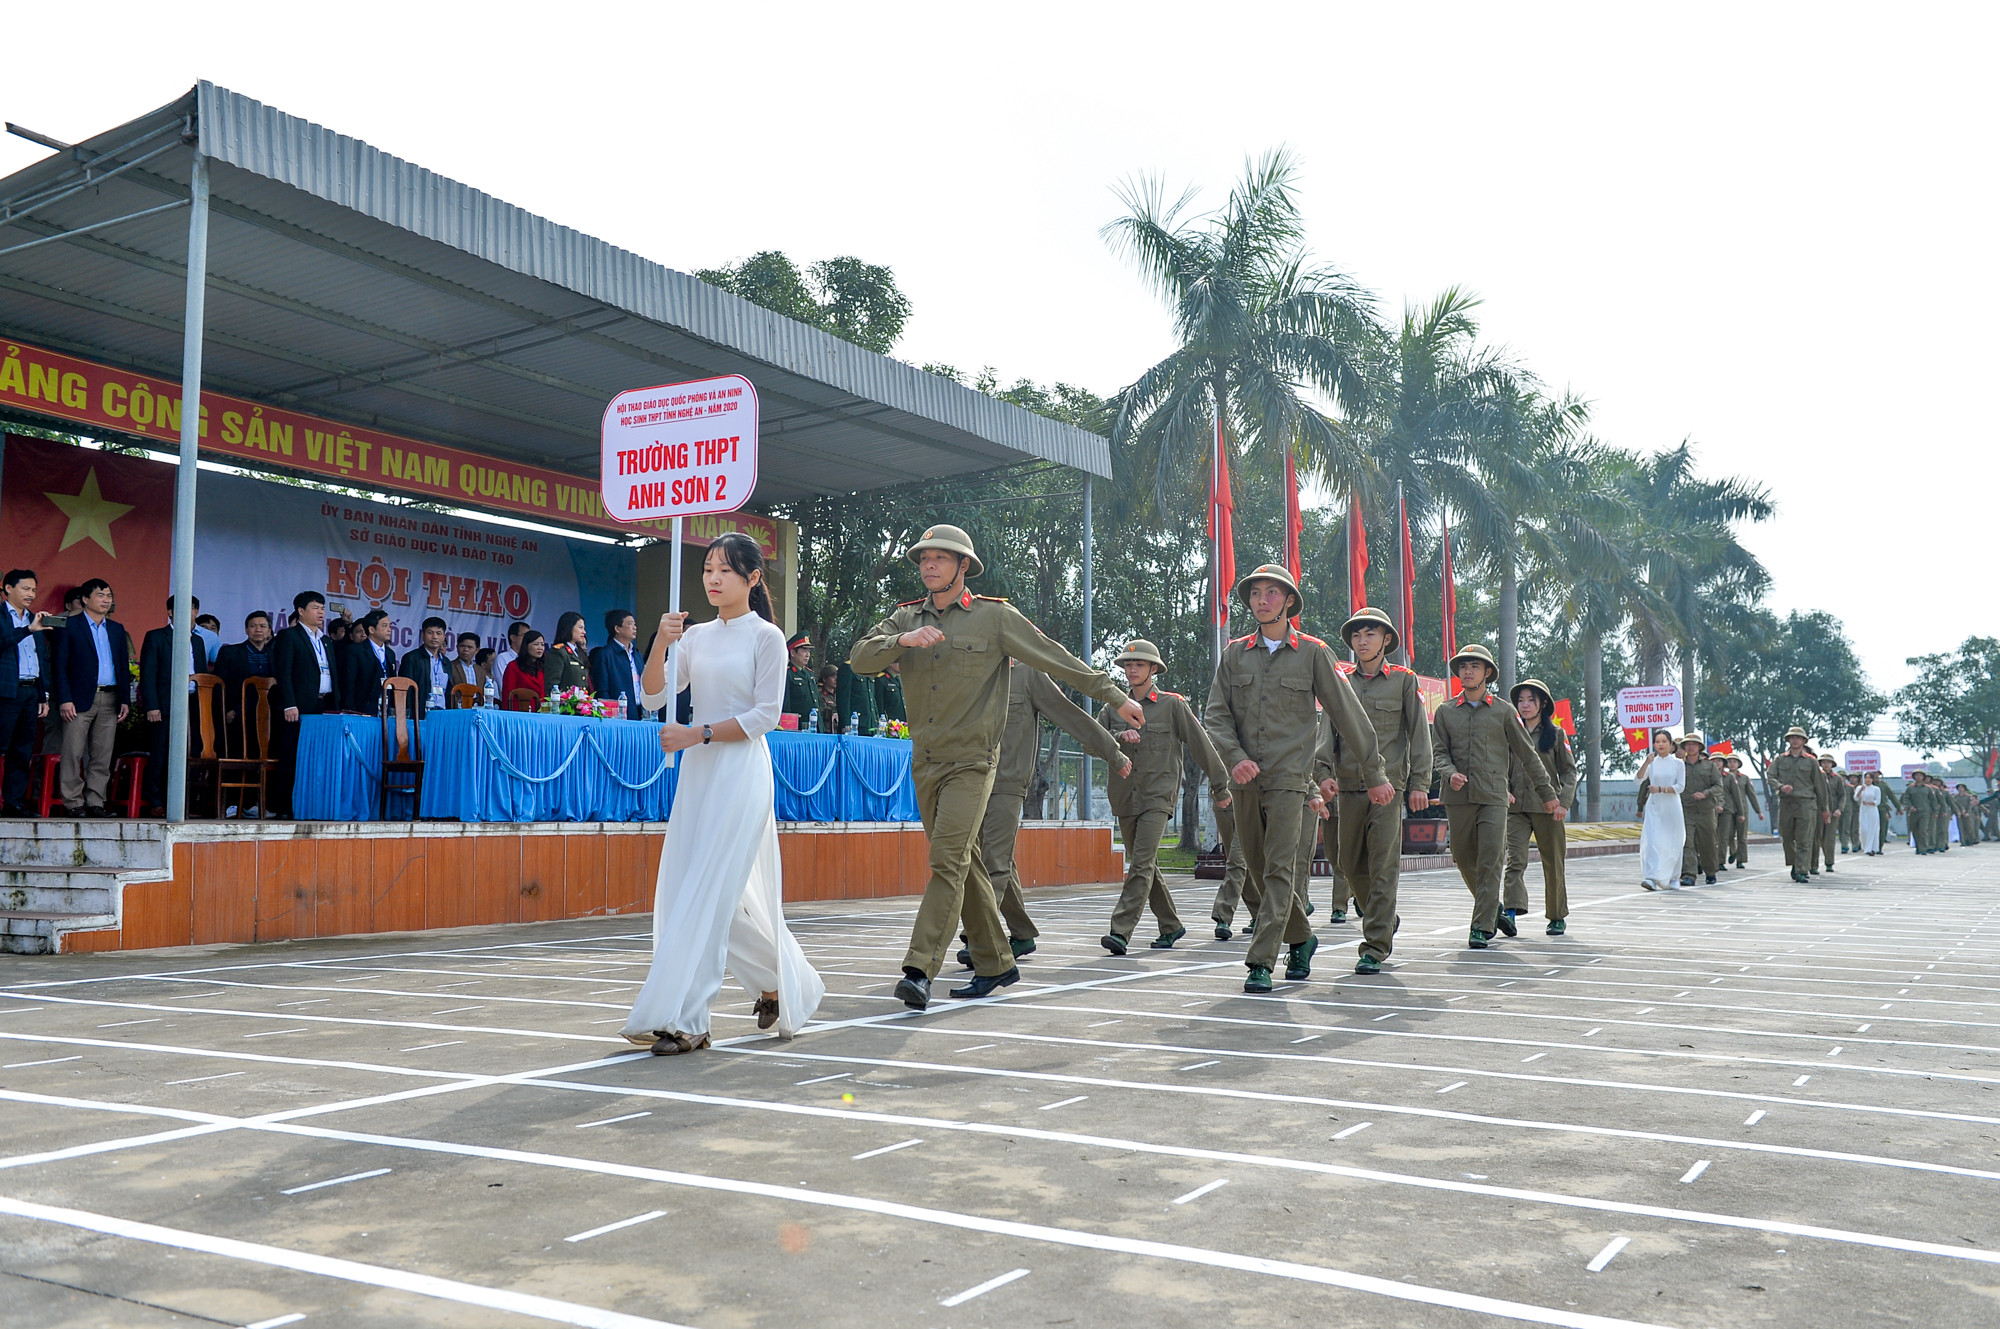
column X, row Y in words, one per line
column 1221, row 531
column 1564, row 717
column 1357, row 557
column 71, row 514
column 1295, row 524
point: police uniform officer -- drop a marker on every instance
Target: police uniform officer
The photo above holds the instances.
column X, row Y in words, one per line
column 1745, row 802
column 1794, row 778
column 1260, row 718
column 1699, row 798
column 1834, row 789
column 954, row 648
column 854, row 698
column 801, row 687
column 1368, row 854
column 1525, row 817
column 1032, row 697
column 1850, row 815
column 1149, row 793
column 1917, row 804
column 1728, row 810
column 1475, row 737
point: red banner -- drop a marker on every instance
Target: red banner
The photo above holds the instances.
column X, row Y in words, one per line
column 1221, row 531
column 1357, row 557
column 84, row 392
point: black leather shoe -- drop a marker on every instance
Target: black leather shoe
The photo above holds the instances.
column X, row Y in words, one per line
column 914, row 991
column 982, row 986
column 1506, row 921
column 1709, row 880
column 964, row 957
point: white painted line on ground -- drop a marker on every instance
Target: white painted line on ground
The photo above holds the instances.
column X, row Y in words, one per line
column 1594, row 1032
column 976, row 1047
column 1609, row 1253
column 275, row 1322
column 1390, row 1016
column 1200, row 1191
column 116, row 1024
column 822, row 1079
column 1307, row 1039
column 445, row 1289
column 1834, row 1053
column 633, row 1221
column 1754, row 1117
column 20, row 1010
column 1537, row 1057
column 272, row 1033
column 315, row 1001
column 1101, row 1023
column 337, row 1181
column 1459, row 1085
column 1050, row 1107
column 456, row 1010
column 886, row 1149
column 629, row 1116
column 1198, row 1065
column 425, row 1047
column 1186, row 1004
column 983, row 1288
column 1355, row 1129
column 200, row 1078
column 16, row 1065
column 1801, row 1080
column 1864, row 1028
column 1700, row 1167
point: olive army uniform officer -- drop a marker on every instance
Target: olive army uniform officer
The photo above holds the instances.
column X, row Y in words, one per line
column 1700, row 797
column 1794, row 777
column 1032, row 697
column 954, row 648
column 801, row 687
column 1260, row 718
column 1149, row 793
column 1474, row 740
column 1526, row 818
column 1833, row 792
column 1368, row 837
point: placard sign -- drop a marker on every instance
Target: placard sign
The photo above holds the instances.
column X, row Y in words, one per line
column 680, row 449
column 1860, row 761
column 1649, row 708
column 1914, row 767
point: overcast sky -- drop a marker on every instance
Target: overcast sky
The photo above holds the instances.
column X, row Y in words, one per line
column 1767, row 229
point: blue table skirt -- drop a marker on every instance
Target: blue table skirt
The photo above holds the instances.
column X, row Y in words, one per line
column 507, row 766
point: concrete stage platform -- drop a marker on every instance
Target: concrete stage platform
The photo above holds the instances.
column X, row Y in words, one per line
column 1748, row 1104
column 123, row 885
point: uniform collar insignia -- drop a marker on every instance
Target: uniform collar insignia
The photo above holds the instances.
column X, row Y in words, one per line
column 965, row 599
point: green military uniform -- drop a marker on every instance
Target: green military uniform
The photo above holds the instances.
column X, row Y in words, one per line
column 1369, row 838
column 854, row 696
column 1311, row 823
column 1146, row 798
column 1967, row 810
column 1989, row 806
column 1746, row 803
column 1728, row 804
column 1526, row 817
column 1795, row 784
column 1890, row 805
column 1700, row 797
column 1917, row 812
column 1833, row 789
column 1260, row 709
column 961, row 687
column 1480, row 742
column 1235, row 877
column 1850, row 816
column 1031, row 698
column 889, row 698
column 801, row 687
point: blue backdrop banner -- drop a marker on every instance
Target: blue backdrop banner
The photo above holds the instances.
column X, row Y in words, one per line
column 486, row 765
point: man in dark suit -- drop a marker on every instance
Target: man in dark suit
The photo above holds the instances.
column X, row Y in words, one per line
column 250, row 658
column 428, row 666
column 615, row 666
column 91, row 688
column 303, row 683
column 156, row 663
column 26, row 663
column 367, row 664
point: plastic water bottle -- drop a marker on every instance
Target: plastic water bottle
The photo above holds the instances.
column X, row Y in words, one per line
column 854, row 722
column 492, row 693
column 624, row 705
column 436, row 702
column 812, row 721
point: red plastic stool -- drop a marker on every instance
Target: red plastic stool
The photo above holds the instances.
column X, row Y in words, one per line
column 43, row 766
column 128, row 774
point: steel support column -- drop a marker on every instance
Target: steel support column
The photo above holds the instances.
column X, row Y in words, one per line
column 1083, row 784
column 182, row 575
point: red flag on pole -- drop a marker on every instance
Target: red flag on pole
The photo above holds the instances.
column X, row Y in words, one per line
column 1295, row 523
column 1221, row 506
column 1408, row 623
column 1448, row 626
column 1357, row 557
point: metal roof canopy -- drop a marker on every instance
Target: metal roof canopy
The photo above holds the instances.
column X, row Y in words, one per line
column 355, row 285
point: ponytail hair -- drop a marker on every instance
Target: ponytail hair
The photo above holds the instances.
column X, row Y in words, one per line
column 745, row 558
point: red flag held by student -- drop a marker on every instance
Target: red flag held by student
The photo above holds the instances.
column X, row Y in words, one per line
column 1448, row 629
column 1409, row 620
column 1295, row 523
column 1221, row 507
column 1357, row 557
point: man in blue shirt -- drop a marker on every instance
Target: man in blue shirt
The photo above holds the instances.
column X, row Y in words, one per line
column 614, row 666
column 91, row 691
column 24, row 684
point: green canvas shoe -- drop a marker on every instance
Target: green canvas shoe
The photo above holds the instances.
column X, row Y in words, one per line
column 1299, row 964
column 1556, row 927
column 1258, row 981
column 1367, row 964
column 1165, row 941
column 1112, row 942
column 1479, row 941
column 1021, row 946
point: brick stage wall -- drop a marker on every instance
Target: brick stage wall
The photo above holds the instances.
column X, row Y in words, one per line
column 318, row 881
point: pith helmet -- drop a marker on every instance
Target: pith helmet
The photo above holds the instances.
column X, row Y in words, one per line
column 1479, row 653
column 1541, row 690
column 950, row 539
column 1830, row 759
column 1137, row 649
column 1362, row 618
column 1732, row 760
column 1270, row 572
column 1796, row 732
column 1695, row 737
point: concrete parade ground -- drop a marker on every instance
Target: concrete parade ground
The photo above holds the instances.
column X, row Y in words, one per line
column 1751, row 1103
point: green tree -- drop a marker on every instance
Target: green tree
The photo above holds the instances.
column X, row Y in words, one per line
column 855, row 301
column 1798, row 670
column 1954, row 702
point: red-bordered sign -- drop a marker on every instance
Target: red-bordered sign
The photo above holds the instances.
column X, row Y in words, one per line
column 680, row 449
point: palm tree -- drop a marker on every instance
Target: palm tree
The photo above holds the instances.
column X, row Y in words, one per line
column 1266, row 338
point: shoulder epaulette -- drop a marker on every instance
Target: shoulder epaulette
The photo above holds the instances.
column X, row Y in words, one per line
column 912, row 604
column 1399, row 669
column 1175, row 695
column 1307, row 636
column 1244, row 641
column 998, row 599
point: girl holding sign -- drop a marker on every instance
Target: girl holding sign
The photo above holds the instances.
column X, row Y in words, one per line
column 1663, row 831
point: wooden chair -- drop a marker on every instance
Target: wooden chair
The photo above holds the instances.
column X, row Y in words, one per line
column 206, row 727
column 402, row 747
column 462, row 697
column 252, row 770
column 524, row 699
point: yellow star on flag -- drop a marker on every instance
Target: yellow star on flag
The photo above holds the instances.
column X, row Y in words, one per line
column 90, row 514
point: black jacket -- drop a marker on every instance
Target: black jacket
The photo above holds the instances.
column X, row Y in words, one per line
column 10, row 646
column 611, row 674
column 362, row 675
column 417, row 668
column 156, row 658
column 74, row 679
column 295, row 674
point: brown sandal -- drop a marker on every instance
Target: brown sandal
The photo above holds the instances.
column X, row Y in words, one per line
column 766, row 1010
column 673, row 1045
